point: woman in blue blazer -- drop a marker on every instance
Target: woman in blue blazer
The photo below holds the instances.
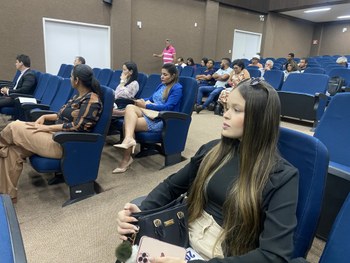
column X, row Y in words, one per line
column 143, row 115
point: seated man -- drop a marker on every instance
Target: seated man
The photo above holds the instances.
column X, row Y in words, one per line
column 25, row 84
column 302, row 64
column 221, row 76
column 79, row 60
column 268, row 66
column 181, row 62
column 206, row 78
column 255, row 61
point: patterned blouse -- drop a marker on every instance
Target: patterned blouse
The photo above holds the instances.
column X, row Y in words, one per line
column 80, row 114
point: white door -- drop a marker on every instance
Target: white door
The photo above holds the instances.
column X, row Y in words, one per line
column 64, row 40
column 245, row 44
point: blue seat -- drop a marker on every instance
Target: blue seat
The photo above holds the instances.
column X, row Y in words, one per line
column 310, row 156
column 61, row 97
column 115, row 79
column 67, row 71
column 105, row 76
column 172, row 138
column 11, row 243
column 333, row 130
column 338, row 245
column 142, row 80
column 316, row 70
column 199, row 71
column 341, row 72
column 274, row 78
column 96, row 72
column 303, row 96
column 187, row 71
column 254, row 72
column 53, row 85
column 330, row 68
column 61, row 70
column 81, row 154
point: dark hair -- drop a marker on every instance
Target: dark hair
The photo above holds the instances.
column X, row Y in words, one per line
column 85, row 74
column 135, row 73
column 205, row 60
column 81, row 59
column 181, row 59
column 191, row 60
column 291, row 54
column 24, row 59
column 306, row 59
column 239, row 63
column 293, row 64
column 172, row 69
column 228, row 61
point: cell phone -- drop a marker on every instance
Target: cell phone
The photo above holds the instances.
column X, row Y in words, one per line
column 151, row 247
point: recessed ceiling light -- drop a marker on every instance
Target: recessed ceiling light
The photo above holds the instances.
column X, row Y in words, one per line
column 318, row 10
column 340, row 17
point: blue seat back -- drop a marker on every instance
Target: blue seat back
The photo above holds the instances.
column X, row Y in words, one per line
column 50, row 92
column 62, row 95
column 104, row 76
column 337, row 248
column 341, row 72
column 142, row 80
column 67, row 71
column 102, row 125
column 115, row 79
column 254, row 72
column 306, row 83
column 61, row 70
column 152, row 83
column 334, row 128
column 187, row 71
column 189, row 91
column 199, row 71
column 316, row 70
column 96, row 72
column 274, row 78
column 310, row 156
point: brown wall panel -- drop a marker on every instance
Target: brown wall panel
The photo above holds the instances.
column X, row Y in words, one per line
column 333, row 40
column 230, row 19
column 21, row 27
column 166, row 19
column 284, row 35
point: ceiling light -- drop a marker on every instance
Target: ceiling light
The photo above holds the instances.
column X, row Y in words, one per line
column 340, row 17
column 318, row 10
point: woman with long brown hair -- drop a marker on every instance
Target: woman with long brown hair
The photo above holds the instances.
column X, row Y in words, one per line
column 242, row 195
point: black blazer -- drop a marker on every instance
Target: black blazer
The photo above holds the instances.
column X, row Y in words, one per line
column 27, row 83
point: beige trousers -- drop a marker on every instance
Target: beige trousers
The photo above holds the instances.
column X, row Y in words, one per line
column 203, row 235
column 17, row 142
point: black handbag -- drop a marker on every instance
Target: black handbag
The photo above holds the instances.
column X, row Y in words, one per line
column 168, row 223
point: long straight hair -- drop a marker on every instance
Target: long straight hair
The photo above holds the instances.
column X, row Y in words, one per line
column 135, row 73
column 172, row 70
column 257, row 157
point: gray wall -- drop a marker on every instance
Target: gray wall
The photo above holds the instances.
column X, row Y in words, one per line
column 161, row 19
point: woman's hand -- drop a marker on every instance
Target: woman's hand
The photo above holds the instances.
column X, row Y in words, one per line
column 140, row 103
column 38, row 127
column 40, row 120
column 124, row 220
column 167, row 260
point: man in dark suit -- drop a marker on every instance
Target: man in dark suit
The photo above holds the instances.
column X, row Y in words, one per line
column 26, row 82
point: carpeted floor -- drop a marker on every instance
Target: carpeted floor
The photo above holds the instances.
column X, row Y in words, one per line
column 86, row 231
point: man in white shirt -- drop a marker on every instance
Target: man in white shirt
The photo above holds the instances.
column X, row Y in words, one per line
column 221, row 76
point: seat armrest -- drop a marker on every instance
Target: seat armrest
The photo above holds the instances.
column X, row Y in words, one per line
column 345, row 89
column 15, row 95
column 123, row 102
column 30, row 106
column 165, row 115
column 36, row 114
column 62, row 137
